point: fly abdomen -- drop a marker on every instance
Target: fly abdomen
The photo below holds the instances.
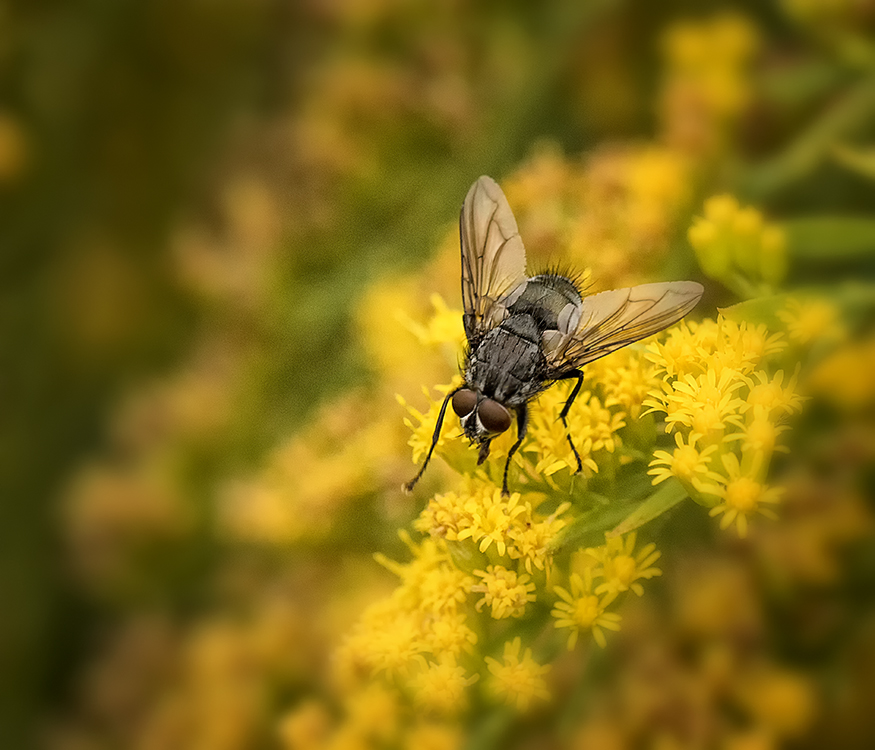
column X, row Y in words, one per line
column 545, row 298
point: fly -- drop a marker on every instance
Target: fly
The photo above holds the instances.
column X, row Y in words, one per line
column 526, row 333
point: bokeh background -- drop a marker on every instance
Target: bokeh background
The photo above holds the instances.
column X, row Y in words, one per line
column 220, row 227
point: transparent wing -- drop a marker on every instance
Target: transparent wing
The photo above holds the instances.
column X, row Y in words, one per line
column 493, row 257
column 612, row 320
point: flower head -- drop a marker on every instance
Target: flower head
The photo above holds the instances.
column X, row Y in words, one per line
column 686, row 462
column 621, row 567
column 504, row 591
column 518, row 680
column 441, row 686
column 742, row 496
column 582, row 609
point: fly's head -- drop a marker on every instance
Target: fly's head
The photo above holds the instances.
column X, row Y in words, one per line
column 482, row 418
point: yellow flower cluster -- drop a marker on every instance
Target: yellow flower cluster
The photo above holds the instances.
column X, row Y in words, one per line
column 619, row 567
column 502, row 530
column 735, row 246
column 725, row 408
column 422, row 637
column 593, row 425
column 304, row 482
column 706, row 84
column 615, row 211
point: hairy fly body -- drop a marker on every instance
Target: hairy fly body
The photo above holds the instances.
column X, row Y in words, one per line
column 524, row 334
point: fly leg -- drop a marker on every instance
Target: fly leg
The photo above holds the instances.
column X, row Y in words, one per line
column 434, row 439
column 565, row 409
column 522, row 425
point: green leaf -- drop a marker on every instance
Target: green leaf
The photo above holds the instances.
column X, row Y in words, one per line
column 831, row 238
column 669, row 494
column 758, row 310
column 588, row 529
column 861, row 161
column 845, row 117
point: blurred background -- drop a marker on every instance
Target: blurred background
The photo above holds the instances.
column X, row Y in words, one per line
column 220, row 224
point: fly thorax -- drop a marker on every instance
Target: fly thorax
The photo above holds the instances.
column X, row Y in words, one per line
column 553, row 301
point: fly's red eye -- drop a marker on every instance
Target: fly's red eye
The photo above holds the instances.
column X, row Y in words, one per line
column 464, row 402
column 493, row 416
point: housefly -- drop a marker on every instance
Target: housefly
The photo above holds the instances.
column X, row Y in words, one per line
column 526, row 333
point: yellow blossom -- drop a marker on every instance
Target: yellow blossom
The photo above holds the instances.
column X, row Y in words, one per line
column 742, row 496
column 583, row 609
column 517, row 680
column 810, row 320
column 625, row 377
column 760, row 434
column 449, row 633
column 686, row 462
column 492, row 517
column 482, row 515
column 444, row 327
column 532, row 539
column 504, row 591
column 441, row 686
column 731, row 240
column 771, row 395
column 592, row 427
column 705, row 404
column 621, row 567
column 306, row 727
column 421, row 437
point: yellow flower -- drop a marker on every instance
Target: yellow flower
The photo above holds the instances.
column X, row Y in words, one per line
column 625, row 378
column 592, row 427
column 504, row 591
column 444, row 327
column 423, row 431
column 492, row 517
column 705, row 404
column 518, row 681
column 532, row 539
column 732, row 240
column 429, row 582
column 810, row 320
column 621, row 567
column 760, row 434
column 449, row 634
column 685, row 462
column 482, row 515
column 772, row 396
column 742, row 496
column 583, row 609
column 441, row 687
column 306, row 727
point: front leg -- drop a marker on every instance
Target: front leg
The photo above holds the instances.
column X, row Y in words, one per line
column 434, row 440
column 565, row 409
column 522, row 425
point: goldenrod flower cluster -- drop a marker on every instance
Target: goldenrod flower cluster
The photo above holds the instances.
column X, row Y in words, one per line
column 726, row 410
column 734, row 245
column 237, row 542
column 706, row 81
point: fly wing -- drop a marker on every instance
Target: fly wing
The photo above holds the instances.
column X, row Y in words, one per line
column 493, row 257
column 612, row 320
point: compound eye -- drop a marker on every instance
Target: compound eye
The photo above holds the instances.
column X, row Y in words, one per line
column 493, row 416
column 464, row 402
